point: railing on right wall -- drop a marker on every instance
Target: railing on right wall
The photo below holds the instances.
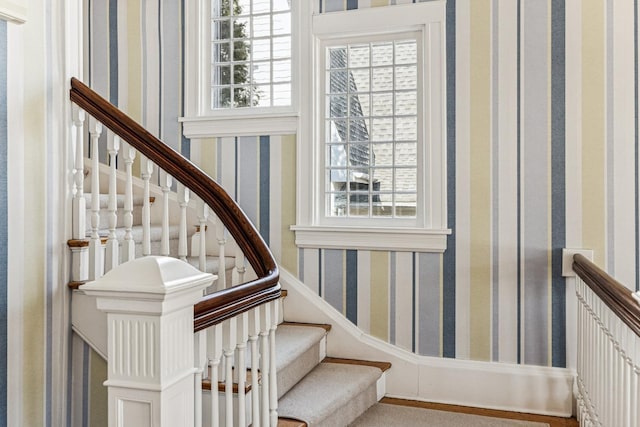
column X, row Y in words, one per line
column 608, row 349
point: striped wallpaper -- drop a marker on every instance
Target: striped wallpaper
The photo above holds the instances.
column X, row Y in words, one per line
column 542, row 154
column 4, row 141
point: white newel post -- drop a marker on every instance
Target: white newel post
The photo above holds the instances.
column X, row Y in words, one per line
column 149, row 305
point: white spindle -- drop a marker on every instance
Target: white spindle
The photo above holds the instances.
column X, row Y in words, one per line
column 202, row 234
column 240, row 270
column 265, row 390
column 222, row 241
column 147, row 171
column 254, row 333
column 230, row 341
column 214, row 353
column 128, row 246
column 242, row 338
column 79, row 204
column 273, row 383
column 96, row 255
column 112, row 251
column 183, row 201
column 165, row 184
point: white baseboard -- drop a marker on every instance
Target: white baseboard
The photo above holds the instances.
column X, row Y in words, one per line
column 519, row 388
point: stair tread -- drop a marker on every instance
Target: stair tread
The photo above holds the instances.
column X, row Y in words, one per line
column 383, row 366
column 212, row 262
column 292, row 340
column 328, row 390
column 104, row 200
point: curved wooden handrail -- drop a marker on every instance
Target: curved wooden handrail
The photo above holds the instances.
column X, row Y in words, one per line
column 617, row 297
column 227, row 303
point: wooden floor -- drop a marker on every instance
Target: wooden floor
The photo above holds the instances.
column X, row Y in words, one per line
column 552, row 421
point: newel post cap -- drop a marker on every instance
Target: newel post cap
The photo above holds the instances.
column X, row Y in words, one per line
column 164, row 284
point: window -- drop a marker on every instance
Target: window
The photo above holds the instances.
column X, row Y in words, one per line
column 371, row 128
column 251, row 53
column 239, row 70
column 372, row 148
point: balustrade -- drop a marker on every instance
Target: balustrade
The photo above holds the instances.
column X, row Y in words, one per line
column 234, row 341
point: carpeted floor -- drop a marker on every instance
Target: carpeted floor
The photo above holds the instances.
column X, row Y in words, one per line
column 385, row 415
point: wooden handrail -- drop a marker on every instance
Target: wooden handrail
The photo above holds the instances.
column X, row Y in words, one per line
column 617, row 297
column 227, row 303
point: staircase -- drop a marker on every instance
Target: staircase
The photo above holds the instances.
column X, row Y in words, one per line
column 239, row 321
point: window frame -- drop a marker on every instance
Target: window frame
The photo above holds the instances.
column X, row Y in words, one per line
column 200, row 120
column 428, row 233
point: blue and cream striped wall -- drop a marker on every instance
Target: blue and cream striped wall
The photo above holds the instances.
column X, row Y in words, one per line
column 4, row 237
column 542, row 154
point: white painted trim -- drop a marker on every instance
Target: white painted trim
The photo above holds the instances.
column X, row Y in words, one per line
column 462, row 382
column 15, row 197
column 429, row 19
column 390, row 239
column 12, row 12
column 240, row 125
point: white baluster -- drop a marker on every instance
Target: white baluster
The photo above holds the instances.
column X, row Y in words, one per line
column 254, row 333
column 214, row 353
column 79, row 203
column 241, row 269
column 128, row 246
column 273, row 383
column 147, row 171
column 165, row 184
column 200, row 362
column 265, row 390
column 243, row 337
column 222, row 241
column 202, row 234
column 183, row 201
column 96, row 254
column 112, row 254
column 230, row 340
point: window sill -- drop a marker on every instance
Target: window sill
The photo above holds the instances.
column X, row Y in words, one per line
column 367, row 238
column 225, row 125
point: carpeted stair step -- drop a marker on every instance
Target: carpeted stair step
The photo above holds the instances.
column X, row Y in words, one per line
column 332, row 394
column 104, row 210
column 299, row 348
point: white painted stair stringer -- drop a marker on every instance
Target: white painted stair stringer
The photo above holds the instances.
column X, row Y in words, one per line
column 519, row 388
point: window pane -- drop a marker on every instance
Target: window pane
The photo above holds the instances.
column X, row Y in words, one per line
column 383, row 154
column 261, row 50
column 337, row 106
column 282, row 94
column 338, row 82
column 406, row 103
column 261, row 96
column 221, row 30
column 406, row 180
column 360, row 80
column 281, row 24
column 261, row 6
column 382, row 79
column 405, row 205
column 406, row 129
column 406, row 77
column 384, row 176
column 382, row 104
column 406, row 52
column 358, row 130
column 359, row 105
column 337, row 57
column 262, row 72
column 406, row 154
column 359, row 56
column 382, row 54
column 336, row 131
column 248, row 26
column 282, row 71
column 337, row 155
column 382, row 129
column 222, row 75
column 281, row 47
column 261, row 26
column 221, row 97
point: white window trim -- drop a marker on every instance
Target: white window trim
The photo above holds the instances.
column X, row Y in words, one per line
column 199, row 120
column 431, row 236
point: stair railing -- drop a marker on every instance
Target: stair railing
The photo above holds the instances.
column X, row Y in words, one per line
column 608, row 379
column 231, row 324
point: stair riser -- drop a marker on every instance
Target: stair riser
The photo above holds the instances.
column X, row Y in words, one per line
column 105, row 218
